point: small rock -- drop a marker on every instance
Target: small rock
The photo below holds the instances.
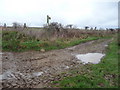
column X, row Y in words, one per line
column 42, row 50
column 67, row 67
column 101, row 84
column 6, row 57
column 44, row 81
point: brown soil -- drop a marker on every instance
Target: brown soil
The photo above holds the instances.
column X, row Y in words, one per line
column 19, row 67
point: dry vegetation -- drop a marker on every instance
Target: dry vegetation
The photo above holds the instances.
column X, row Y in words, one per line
column 54, row 36
column 65, row 33
column 54, row 32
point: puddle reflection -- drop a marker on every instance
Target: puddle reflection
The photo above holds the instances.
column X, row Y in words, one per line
column 90, row 57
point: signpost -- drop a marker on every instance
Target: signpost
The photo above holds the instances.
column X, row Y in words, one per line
column 48, row 18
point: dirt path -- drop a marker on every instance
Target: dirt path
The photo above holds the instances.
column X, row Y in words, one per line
column 36, row 69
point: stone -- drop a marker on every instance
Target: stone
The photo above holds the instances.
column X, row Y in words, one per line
column 42, row 50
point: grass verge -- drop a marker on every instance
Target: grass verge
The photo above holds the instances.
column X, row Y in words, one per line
column 17, row 42
column 102, row 75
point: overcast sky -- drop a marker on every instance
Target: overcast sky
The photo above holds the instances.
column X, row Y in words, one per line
column 93, row 13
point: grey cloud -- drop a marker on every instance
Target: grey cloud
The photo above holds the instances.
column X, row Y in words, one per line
column 100, row 14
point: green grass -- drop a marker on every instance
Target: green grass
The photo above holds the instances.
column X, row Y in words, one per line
column 102, row 75
column 17, row 42
column 14, row 41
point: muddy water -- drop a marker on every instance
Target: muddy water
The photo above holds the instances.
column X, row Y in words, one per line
column 90, row 57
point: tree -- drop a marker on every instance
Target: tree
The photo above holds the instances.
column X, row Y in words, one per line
column 16, row 25
column 54, row 28
column 95, row 28
column 24, row 26
column 69, row 26
column 86, row 27
column 91, row 28
column 4, row 25
column 111, row 29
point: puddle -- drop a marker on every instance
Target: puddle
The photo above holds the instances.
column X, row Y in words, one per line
column 90, row 57
column 14, row 75
column 37, row 74
column 8, row 75
column 1, row 53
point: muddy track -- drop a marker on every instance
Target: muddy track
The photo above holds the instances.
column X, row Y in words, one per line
column 36, row 69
